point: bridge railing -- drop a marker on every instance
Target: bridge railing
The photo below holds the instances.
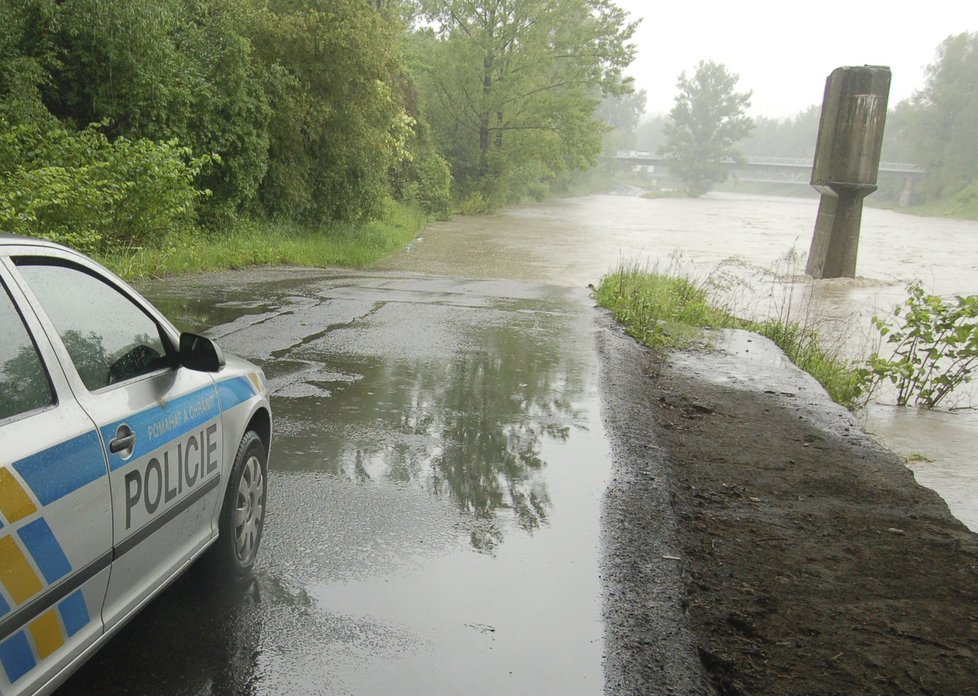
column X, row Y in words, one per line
column 770, row 162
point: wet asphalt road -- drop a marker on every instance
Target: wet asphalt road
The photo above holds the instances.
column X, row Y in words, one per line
column 437, row 470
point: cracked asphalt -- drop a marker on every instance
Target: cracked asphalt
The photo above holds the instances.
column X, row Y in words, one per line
column 438, row 469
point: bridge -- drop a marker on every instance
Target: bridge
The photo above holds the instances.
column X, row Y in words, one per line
column 776, row 170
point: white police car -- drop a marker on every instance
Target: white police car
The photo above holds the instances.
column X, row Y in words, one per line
column 126, row 450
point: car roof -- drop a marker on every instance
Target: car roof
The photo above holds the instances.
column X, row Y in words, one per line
column 21, row 239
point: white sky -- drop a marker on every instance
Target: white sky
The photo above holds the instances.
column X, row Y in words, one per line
column 783, row 50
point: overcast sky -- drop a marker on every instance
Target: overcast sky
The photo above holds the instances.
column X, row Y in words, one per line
column 783, row 50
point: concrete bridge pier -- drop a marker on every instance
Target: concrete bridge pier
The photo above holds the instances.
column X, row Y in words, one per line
column 847, row 160
column 836, row 240
column 906, row 195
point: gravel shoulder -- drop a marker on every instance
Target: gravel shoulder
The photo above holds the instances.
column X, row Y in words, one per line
column 757, row 541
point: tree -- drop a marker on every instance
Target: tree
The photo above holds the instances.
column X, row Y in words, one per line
column 153, row 69
column 788, row 137
column 28, row 54
column 337, row 125
column 621, row 113
column 511, row 86
column 941, row 120
column 708, row 119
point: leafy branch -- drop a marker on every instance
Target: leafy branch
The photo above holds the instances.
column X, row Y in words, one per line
column 935, row 347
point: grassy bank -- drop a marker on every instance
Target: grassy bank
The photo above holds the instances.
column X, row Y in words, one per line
column 963, row 205
column 253, row 243
column 670, row 311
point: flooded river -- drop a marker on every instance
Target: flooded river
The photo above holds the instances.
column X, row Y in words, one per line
column 752, row 248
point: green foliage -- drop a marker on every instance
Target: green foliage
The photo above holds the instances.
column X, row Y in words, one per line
column 621, row 113
column 938, row 127
column 474, row 204
column 27, row 56
column 229, row 111
column 338, row 127
column 709, row 117
column 301, row 102
column 163, row 70
column 511, row 88
column 251, row 242
column 144, row 69
column 962, row 205
column 845, row 383
column 81, row 190
column 658, row 309
column 427, row 181
column 935, row 347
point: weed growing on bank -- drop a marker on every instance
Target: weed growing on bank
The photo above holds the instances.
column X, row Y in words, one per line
column 660, row 309
column 253, row 243
column 843, row 380
column 670, row 310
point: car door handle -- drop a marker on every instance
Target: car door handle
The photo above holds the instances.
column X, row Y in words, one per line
column 124, row 440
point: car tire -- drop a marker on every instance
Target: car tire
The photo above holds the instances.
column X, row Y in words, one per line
column 243, row 514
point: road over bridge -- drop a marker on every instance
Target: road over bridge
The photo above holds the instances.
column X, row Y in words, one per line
column 775, row 170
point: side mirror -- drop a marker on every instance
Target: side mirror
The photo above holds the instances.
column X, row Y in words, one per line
column 200, row 353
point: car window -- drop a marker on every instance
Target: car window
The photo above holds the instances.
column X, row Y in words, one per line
column 109, row 338
column 24, row 384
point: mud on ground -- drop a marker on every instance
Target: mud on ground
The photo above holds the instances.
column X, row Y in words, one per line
column 808, row 559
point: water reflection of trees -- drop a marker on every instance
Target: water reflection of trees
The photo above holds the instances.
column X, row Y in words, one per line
column 471, row 430
column 491, row 425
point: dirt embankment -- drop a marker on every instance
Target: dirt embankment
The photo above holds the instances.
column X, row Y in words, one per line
column 808, row 559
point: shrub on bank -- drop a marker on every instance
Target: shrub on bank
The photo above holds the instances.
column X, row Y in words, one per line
column 79, row 189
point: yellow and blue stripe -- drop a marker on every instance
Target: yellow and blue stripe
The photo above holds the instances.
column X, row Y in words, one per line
column 47, row 632
column 31, row 558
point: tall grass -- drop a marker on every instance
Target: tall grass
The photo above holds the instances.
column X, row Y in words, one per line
column 253, row 243
column 670, row 310
column 844, row 382
column 659, row 309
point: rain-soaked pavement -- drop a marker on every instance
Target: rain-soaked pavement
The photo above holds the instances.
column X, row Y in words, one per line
column 437, row 470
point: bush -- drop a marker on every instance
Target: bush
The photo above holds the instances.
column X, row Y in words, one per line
column 935, row 347
column 79, row 189
column 434, row 185
column 474, row 204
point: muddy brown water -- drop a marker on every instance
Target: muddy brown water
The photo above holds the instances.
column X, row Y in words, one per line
column 751, row 250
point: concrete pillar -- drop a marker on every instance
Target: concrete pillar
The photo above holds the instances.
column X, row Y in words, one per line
column 847, row 160
column 836, row 239
column 906, row 195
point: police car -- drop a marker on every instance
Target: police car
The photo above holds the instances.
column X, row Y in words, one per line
column 127, row 450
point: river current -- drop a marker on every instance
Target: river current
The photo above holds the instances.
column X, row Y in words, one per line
column 750, row 251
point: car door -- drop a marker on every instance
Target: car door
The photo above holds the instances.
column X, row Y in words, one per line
column 160, row 424
column 55, row 509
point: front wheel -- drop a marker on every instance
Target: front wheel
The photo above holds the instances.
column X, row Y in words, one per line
column 243, row 514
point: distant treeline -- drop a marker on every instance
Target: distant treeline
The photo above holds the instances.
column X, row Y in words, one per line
column 123, row 120
column 936, row 129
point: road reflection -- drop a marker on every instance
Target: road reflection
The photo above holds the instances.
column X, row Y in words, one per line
column 469, row 429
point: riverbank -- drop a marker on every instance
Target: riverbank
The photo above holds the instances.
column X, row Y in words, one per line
column 808, row 558
column 266, row 243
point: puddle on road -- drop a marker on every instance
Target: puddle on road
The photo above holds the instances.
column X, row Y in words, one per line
column 437, row 473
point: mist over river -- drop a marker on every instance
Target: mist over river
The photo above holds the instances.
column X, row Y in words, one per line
column 751, row 250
